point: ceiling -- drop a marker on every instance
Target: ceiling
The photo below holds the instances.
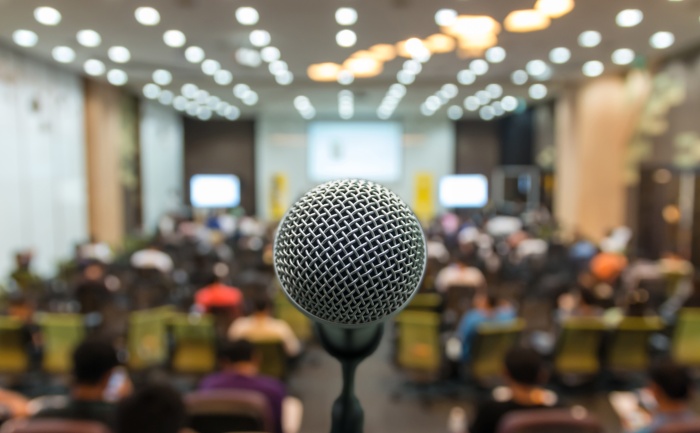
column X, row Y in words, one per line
column 304, row 31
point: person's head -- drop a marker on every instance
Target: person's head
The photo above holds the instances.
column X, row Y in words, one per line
column 485, row 301
column 671, row 384
column 23, row 259
column 637, row 303
column 93, row 272
column 153, row 409
column 93, row 364
column 524, row 367
column 587, row 298
column 239, row 354
column 262, row 306
column 464, row 259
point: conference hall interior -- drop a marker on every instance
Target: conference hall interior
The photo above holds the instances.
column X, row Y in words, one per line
column 303, row 216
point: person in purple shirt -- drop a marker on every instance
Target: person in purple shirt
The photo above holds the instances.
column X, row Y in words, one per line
column 241, row 371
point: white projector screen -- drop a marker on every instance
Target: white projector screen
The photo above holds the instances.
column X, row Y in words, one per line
column 215, row 191
column 464, row 191
column 361, row 150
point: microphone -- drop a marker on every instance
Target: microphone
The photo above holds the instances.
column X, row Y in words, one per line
column 349, row 255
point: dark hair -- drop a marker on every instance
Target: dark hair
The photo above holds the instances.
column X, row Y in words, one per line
column 92, row 361
column 524, row 366
column 588, row 297
column 261, row 304
column 492, row 300
column 238, row 351
column 154, row 409
column 674, row 380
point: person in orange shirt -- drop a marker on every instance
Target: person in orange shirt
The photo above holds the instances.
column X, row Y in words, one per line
column 217, row 295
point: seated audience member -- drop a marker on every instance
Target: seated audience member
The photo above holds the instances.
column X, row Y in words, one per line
column 486, row 310
column 92, row 292
column 154, row 409
column 583, row 305
column 94, row 364
column 671, row 386
column 262, row 326
column 460, row 273
column 152, row 258
column 525, row 374
column 218, row 295
column 12, row 405
column 240, row 371
column 22, row 276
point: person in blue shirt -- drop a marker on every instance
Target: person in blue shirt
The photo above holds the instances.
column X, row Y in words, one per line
column 486, row 310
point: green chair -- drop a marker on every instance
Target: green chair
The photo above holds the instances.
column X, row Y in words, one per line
column 14, row 358
column 147, row 337
column 61, row 333
column 418, row 344
column 274, row 362
column 685, row 348
column 194, row 344
column 489, row 348
column 300, row 324
column 578, row 347
column 627, row 348
column 426, row 302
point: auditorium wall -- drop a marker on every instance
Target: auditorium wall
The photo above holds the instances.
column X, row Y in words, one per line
column 42, row 162
column 281, row 157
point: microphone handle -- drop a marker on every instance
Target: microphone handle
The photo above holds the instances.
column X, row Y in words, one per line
column 350, row 347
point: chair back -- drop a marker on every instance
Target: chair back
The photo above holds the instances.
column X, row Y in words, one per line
column 685, row 349
column 194, row 344
column 147, row 338
column 489, row 348
column 229, row 411
column 52, row 426
column 457, row 301
column 14, row 358
column 61, row 333
column 692, row 426
column 300, row 324
column 418, row 345
column 273, row 358
column 578, row 346
column 549, row 421
column 628, row 347
column 426, row 302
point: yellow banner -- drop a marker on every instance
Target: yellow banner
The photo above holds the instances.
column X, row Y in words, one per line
column 278, row 196
column 424, row 196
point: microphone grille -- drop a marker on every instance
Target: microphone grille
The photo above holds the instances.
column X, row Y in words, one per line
column 350, row 253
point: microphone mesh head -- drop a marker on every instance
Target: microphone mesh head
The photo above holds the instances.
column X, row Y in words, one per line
column 350, row 253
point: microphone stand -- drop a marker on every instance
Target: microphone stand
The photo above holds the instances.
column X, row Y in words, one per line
column 350, row 347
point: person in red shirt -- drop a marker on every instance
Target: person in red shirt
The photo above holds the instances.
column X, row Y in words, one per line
column 217, row 296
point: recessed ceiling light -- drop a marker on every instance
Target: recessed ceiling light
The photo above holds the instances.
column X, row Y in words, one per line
column 302, row 103
column 270, row 54
column 223, row 77
column 117, row 77
column 147, row 16
column 284, row 78
column 345, row 77
column 278, row 67
column 662, row 40
column 174, row 38
column 210, row 66
column 527, row 20
column 151, row 91
column 623, row 56
column 192, row 108
column 346, row 38
column 433, row 103
column 201, row 96
column 180, row 103
column 536, row 67
column 119, row 54
column 472, row 103
column 629, row 17
column 495, row 90
column 346, row 16
column 240, row 90
column 247, row 16
column 555, row 8
column 537, row 91
column 189, row 90
column 204, row 113
column 89, row 38
column 483, row 96
column 479, row 66
column 412, row 67
column 194, row 54
column 466, row 77
column 486, row 113
column 589, row 39
column 47, row 16
column 260, row 38
column 63, row 54
column 560, row 55
column 509, row 103
column 593, row 68
column 450, row 90
column 233, row 113
column 519, row 77
column 162, row 77
column 404, row 77
column 495, row 54
column 166, row 97
column 497, row 108
column 213, row 102
column 94, row 67
column 25, row 38
column 248, row 57
column 445, row 17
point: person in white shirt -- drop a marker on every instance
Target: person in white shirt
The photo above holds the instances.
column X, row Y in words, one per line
column 261, row 326
column 152, row 258
column 460, row 273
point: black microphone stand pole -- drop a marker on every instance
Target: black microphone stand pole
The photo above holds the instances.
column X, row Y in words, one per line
column 350, row 347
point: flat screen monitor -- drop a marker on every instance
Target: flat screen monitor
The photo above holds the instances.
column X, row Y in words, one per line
column 464, row 191
column 215, row 191
column 360, row 150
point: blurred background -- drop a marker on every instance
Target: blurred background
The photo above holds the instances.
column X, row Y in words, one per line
column 550, row 148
